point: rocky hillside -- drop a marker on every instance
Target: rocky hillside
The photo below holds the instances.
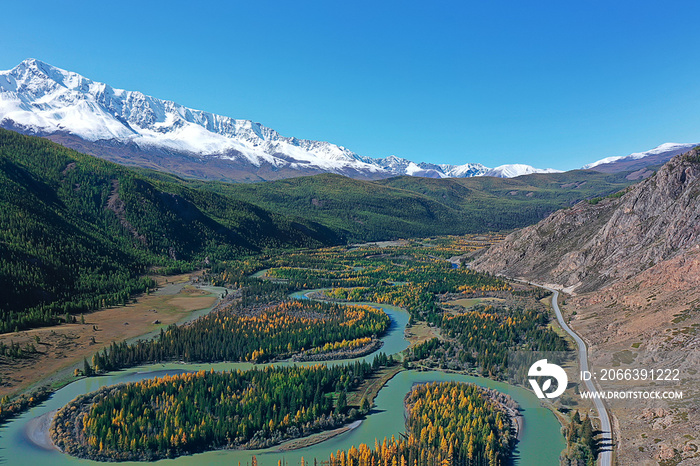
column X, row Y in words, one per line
column 633, row 261
column 596, row 243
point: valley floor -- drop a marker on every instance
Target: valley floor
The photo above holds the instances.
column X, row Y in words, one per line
column 460, row 321
column 62, row 348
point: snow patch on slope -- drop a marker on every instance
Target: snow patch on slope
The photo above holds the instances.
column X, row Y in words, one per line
column 517, row 169
column 663, row 148
column 42, row 99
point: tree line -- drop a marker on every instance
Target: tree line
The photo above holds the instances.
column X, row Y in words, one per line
column 244, row 331
column 581, row 446
column 79, row 233
column 192, row 412
column 449, row 423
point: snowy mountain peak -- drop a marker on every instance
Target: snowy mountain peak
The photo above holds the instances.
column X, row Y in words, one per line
column 43, row 99
column 32, row 67
column 517, row 169
column 464, row 171
column 39, row 98
column 666, row 148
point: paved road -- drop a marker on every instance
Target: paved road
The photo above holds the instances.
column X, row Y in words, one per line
column 605, row 457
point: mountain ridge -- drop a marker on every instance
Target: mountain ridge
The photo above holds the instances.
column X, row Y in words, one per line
column 597, row 242
column 130, row 127
column 668, row 149
column 80, row 232
column 630, row 264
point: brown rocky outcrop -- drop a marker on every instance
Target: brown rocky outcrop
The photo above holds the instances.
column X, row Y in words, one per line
column 594, row 244
column 634, row 262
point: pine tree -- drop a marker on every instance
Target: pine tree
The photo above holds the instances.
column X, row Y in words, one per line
column 87, row 370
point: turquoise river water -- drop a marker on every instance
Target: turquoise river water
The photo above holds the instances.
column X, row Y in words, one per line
column 540, row 444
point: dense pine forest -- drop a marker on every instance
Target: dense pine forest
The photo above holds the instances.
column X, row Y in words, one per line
column 409, row 276
column 418, row 279
column 477, row 319
column 79, row 233
column 191, row 412
column 581, row 446
column 406, row 206
column 484, row 337
column 448, row 423
column 259, row 333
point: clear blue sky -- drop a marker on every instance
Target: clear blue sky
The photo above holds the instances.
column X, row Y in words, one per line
column 547, row 83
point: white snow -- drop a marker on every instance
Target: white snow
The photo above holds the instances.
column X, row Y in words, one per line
column 663, row 148
column 464, row 171
column 45, row 99
column 517, row 169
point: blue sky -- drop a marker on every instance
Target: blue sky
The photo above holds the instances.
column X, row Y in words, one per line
column 547, row 83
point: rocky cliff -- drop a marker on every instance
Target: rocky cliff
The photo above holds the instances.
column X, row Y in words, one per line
column 633, row 260
column 596, row 243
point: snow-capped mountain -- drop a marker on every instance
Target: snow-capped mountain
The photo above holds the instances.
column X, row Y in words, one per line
column 464, row 171
column 130, row 127
column 400, row 166
column 517, row 169
column 660, row 154
column 44, row 99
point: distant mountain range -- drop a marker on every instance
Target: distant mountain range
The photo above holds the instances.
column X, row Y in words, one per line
column 78, row 231
column 131, row 128
column 639, row 163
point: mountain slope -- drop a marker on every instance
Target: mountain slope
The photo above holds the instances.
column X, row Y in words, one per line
column 408, row 206
column 632, row 264
column 595, row 244
column 640, row 161
column 135, row 129
column 77, row 232
column 131, row 128
column 541, row 191
column 43, row 99
column 517, row 169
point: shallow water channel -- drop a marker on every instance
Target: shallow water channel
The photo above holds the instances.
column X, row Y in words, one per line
column 540, row 442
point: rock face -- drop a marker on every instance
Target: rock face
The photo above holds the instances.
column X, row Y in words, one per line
column 633, row 261
column 595, row 244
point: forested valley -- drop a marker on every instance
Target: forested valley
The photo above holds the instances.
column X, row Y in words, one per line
column 245, row 332
column 191, row 412
column 80, row 233
column 475, row 320
column 415, row 275
column 471, row 321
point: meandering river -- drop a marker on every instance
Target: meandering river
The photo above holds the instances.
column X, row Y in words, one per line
column 540, row 442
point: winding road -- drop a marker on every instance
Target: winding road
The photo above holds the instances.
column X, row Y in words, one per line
column 605, row 456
